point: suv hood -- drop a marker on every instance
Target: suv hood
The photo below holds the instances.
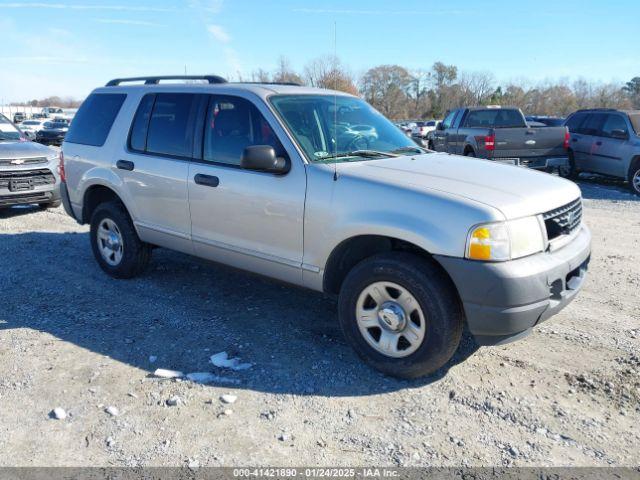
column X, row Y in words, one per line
column 24, row 150
column 514, row 191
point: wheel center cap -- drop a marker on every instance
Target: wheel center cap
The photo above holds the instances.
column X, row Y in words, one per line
column 391, row 316
column 113, row 242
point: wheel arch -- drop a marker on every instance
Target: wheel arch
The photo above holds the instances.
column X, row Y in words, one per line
column 468, row 148
column 94, row 196
column 634, row 163
column 351, row 251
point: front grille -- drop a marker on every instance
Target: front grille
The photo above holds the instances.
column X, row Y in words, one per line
column 35, row 178
column 35, row 197
column 22, row 161
column 564, row 220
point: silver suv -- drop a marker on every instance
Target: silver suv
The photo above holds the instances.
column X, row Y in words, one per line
column 317, row 189
column 28, row 171
column 607, row 142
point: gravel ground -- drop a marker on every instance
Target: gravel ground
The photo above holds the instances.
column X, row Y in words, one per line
column 73, row 339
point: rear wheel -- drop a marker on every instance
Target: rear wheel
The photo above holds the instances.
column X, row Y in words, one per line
column 569, row 171
column 634, row 177
column 401, row 314
column 470, row 153
column 115, row 243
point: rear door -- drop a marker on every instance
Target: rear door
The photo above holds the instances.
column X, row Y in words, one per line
column 607, row 149
column 155, row 165
column 248, row 219
column 589, row 131
column 578, row 143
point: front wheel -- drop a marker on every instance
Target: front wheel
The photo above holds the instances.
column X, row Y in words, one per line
column 634, row 178
column 115, row 243
column 401, row 314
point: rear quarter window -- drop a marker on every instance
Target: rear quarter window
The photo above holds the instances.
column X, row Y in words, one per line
column 94, row 119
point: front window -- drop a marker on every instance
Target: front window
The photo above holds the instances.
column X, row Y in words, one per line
column 330, row 128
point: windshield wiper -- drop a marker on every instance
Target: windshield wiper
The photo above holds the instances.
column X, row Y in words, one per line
column 362, row 153
column 408, row 149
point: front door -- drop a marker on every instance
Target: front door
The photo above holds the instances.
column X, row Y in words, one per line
column 589, row 132
column 246, row 219
column 440, row 137
column 607, row 150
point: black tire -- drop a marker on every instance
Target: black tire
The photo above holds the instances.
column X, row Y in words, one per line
column 430, row 145
column 571, row 172
column 634, row 173
column 135, row 253
column 437, row 298
column 54, row 204
column 470, row 153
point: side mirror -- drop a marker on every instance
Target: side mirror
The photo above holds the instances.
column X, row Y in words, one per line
column 440, row 126
column 263, row 158
column 619, row 134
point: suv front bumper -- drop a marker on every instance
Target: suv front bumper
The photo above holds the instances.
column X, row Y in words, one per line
column 504, row 300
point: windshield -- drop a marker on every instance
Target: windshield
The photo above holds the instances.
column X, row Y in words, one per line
column 329, row 127
column 30, row 122
column 7, row 131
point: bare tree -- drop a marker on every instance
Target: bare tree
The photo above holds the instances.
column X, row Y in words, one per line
column 385, row 87
column 328, row 72
column 285, row 74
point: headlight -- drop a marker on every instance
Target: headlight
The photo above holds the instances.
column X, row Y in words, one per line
column 508, row 240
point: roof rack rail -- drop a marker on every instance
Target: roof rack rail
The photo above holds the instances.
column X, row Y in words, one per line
column 597, row 110
column 156, row 80
column 290, row 84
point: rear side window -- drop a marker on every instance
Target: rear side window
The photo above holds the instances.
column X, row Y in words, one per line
column 138, row 135
column 634, row 118
column 94, row 119
column 171, row 125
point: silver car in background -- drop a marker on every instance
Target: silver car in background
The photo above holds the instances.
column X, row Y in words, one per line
column 607, row 142
column 28, row 170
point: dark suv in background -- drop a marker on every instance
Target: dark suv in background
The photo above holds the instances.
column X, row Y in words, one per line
column 605, row 141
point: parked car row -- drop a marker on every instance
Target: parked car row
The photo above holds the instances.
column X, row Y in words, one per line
column 47, row 132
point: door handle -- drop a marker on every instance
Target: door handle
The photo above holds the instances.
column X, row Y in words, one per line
column 125, row 165
column 206, row 180
column 598, row 143
column 574, row 139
